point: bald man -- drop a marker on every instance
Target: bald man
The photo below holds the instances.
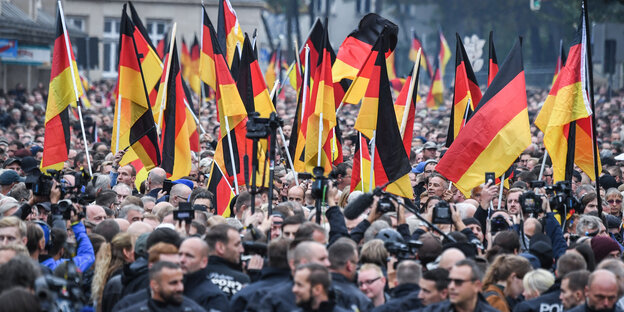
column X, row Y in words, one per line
column 296, row 194
column 179, row 193
column 95, row 214
column 601, row 293
column 154, row 181
column 449, row 257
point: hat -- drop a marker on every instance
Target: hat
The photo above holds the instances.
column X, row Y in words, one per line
column 607, row 181
column 420, row 168
column 430, row 145
column 10, row 161
column 541, row 247
column 22, row 152
column 186, row 182
column 35, row 149
column 29, row 164
column 602, row 246
column 469, row 221
column 535, row 263
column 9, row 177
column 613, row 222
column 140, row 245
column 424, row 140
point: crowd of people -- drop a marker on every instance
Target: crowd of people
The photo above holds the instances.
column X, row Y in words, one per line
column 108, row 243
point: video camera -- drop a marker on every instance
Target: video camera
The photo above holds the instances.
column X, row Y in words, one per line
column 403, row 251
column 531, row 204
column 41, row 185
column 255, row 248
column 61, row 294
column 561, row 198
column 184, row 213
column 442, row 213
column 260, row 128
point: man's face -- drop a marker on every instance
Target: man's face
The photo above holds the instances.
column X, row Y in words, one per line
column 371, row 283
column 169, row 286
column 548, row 176
column 233, row 248
column 429, row 294
column 296, row 194
column 96, row 215
column 134, row 216
column 569, row 298
column 513, row 203
column 302, row 288
column 476, row 230
column 615, row 204
column 435, row 186
column 320, row 255
column 191, row 258
column 122, row 193
column 11, row 235
column 289, row 230
column 429, row 169
column 461, row 287
column 204, row 202
column 601, row 295
column 125, row 175
column 524, row 160
column 429, row 153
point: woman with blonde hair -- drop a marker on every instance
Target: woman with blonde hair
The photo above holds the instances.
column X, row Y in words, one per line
column 503, row 280
column 536, row 283
column 109, row 262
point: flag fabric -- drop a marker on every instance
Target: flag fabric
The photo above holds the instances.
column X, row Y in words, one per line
column 296, row 145
column 185, row 61
column 136, row 127
column 141, row 173
column 435, row 96
column 493, row 61
column 466, row 94
column 408, row 96
column 565, row 117
column 424, row 61
column 160, row 48
column 251, row 85
column 221, row 189
column 193, row 79
column 358, row 45
column 64, row 90
column 498, row 132
column 360, row 174
column 228, row 30
column 175, row 141
column 377, row 122
column 84, row 98
column 561, row 60
column 191, row 124
column 322, row 110
column 444, row 56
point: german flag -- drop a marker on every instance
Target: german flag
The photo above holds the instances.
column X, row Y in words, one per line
column 323, row 113
column 142, row 135
column 194, row 80
column 64, row 90
column 436, row 91
column 360, row 83
column 408, row 97
column 444, row 56
column 235, row 66
column 467, row 93
column 296, row 145
column 228, row 30
column 160, row 48
column 493, row 62
column 185, row 61
column 424, row 61
column 151, row 62
column 221, row 189
column 207, row 71
column 497, row 133
column 276, row 65
column 561, row 60
column 175, row 142
column 142, row 173
column 377, row 121
column 251, row 85
column 190, row 121
column 360, row 175
column 358, row 45
column 84, row 98
column 565, row 117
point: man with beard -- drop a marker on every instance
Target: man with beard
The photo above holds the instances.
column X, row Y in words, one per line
column 166, row 291
column 311, row 287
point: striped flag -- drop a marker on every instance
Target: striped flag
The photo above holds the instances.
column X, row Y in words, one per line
column 435, row 96
column 360, row 173
column 65, row 89
column 424, row 61
column 193, row 79
column 444, row 56
column 407, row 128
column 493, row 61
column 228, row 30
column 221, row 189
column 497, row 133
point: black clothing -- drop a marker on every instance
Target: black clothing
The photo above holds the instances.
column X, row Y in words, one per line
column 279, row 298
column 337, row 225
column 355, row 299
column 200, row 289
column 547, row 302
column 584, row 308
column 158, row 306
column 131, row 299
column 134, row 277
column 446, row 305
column 112, row 291
column 248, row 298
column 226, row 275
column 404, row 297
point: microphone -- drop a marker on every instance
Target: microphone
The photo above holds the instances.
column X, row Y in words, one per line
column 355, row 208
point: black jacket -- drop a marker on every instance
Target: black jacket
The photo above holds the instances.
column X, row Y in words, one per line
column 547, row 302
column 134, row 277
column 248, row 298
column 198, row 287
column 151, row 305
column 404, row 297
column 131, row 299
column 279, row 298
column 226, row 275
column 353, row 297
column 446, row 305
column 337, row 225
column 584, row 308
column 328, row 306
column 112, row 291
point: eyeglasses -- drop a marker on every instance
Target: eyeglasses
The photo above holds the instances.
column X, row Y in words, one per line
column 459, row 282
column 614, row 201
column 362, row 283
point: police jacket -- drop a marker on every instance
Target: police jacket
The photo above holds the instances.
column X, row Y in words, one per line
column 248, row 298
column 226, row 275
column 404, row 297
column 151, row 305
column 198, row 287
column 547, row 302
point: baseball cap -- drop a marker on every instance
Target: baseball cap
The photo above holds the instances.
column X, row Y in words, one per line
column 9, row 177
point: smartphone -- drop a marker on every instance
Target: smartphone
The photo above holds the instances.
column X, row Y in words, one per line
column 167, row 184
column 490, row 176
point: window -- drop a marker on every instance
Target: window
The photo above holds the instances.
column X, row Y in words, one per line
column 156, row 29
column 110, row 38
column 363, row 6
column 79, row 22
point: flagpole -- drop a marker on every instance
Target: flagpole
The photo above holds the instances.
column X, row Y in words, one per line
column 118, row 121
column 500, row 193
column 273, row 90
column 164, row 95
column 590, row 71
column 71, row 68
column 195, row 117
column 320, row 140
column 361, row 160
column 466, row 113
column 372, row 157
column 410, row 92
column 290, row 162
column 305, row 83
column 541, row 174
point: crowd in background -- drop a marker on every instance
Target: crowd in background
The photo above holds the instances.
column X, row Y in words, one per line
column 118, row 245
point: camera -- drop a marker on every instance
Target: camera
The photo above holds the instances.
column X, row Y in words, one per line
column 260, row 128
column 384, row 204
column 61, row 294
column 255, row 248
column 184, row 213
column 63, row 208
column 531, row 204
column 562, row 200
column 41, row 184
column 498, row 224
column 403, row 251
column 320, row 182
column 442, row 213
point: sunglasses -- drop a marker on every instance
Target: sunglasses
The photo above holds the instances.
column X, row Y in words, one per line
column 614, row 201
column 459, row 282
